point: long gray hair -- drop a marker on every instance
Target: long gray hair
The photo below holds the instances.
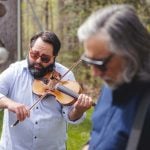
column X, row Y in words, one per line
column 128, row 37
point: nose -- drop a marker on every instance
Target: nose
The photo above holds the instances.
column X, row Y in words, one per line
column 38, row 60
column 97, row 72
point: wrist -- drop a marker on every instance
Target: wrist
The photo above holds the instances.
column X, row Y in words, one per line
column 77, row 111
column 75, row 114
column 4, row 102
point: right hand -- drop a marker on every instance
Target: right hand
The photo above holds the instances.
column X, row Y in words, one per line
column 21, row 110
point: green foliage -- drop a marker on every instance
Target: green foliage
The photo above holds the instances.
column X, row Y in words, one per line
column 1, row 120
column 78, row 135
column 64, row 18
column 76, row 12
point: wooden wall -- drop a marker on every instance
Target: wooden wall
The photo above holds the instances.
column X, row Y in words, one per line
column 8, row 29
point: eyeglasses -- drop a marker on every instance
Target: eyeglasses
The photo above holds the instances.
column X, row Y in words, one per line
column 99, row 63
column 35, row 55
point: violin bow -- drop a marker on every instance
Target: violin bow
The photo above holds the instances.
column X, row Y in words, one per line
column 72, row 67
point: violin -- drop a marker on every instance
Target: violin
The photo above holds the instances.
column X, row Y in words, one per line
column 65, row 92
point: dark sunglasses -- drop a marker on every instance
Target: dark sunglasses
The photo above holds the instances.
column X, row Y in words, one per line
column 35, row 55
column 99, row 63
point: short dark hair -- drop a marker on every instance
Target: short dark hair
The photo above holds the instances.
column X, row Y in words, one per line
column 48, row 37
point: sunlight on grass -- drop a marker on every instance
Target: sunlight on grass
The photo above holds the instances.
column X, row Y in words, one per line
column 1, row 120
column 79, row 134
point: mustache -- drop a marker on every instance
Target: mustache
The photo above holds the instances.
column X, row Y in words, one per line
column 36, row 64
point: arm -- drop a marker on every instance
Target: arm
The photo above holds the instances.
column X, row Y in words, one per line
column 7, row 79
column 20, row 109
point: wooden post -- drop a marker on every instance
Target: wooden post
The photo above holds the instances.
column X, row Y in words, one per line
column 9, row 29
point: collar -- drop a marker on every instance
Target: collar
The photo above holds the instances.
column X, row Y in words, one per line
column 25, row 64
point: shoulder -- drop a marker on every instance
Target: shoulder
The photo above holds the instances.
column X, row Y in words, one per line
column 12, row 73
column 59, row 66
column 62, row 70
column 18, row 66
column 106, row 91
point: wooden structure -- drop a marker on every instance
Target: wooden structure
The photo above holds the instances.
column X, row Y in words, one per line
column 9, row 29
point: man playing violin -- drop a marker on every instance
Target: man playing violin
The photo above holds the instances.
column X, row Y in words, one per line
column 44, row 127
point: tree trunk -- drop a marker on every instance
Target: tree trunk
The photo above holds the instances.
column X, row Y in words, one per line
column 46, row 14
column 60, row 19
column 8, row 29
column 51, row 16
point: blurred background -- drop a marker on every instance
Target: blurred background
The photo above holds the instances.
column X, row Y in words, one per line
column 21, row 19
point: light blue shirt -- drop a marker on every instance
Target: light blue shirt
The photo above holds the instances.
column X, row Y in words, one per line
column 46, row 127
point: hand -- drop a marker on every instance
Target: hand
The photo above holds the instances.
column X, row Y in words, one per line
column 20, row 109
column 83, row 103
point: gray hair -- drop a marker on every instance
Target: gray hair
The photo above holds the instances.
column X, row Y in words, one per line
column 128, row 37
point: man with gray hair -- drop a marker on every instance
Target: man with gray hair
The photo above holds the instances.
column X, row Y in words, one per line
column 117, row 45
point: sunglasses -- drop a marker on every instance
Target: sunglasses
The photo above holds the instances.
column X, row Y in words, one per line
column 99, row 63
column 35, row 55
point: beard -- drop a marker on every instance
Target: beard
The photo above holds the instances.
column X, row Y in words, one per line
column 115, row 83
column 41, row 71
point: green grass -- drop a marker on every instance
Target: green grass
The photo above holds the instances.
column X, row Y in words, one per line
column 1, row 120
column 78, row 135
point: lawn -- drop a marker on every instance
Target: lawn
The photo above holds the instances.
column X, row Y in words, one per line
column 1, row 120
column 77, row 134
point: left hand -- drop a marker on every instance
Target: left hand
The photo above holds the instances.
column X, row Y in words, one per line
column 83, row 103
